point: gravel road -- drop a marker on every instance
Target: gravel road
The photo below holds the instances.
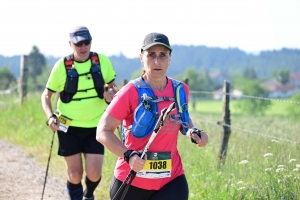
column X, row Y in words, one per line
column 22, row 178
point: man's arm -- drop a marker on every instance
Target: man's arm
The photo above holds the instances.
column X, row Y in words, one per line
column 47, row 107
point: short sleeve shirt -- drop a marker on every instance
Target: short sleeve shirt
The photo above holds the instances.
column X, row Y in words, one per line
column 85, row 112
column 122, row 108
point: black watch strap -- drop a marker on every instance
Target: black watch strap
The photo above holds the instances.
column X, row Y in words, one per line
column 107, row 102
column 195, row 131
column 129, row 153
column 52, row 116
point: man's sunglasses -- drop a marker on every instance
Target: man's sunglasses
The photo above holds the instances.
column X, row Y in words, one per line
column 85, row 42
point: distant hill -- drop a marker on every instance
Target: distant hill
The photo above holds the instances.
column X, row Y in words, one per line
column 228, row 61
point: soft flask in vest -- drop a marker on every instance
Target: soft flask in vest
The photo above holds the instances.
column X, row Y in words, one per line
column 98, row 80
column 70, row 86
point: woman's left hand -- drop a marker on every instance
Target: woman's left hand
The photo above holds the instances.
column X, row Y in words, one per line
column 201, row 142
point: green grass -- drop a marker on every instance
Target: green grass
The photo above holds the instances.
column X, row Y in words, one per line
column 263, row 160
column 216, row 106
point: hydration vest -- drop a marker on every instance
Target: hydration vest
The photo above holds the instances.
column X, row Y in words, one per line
column 146, row 114
column 71, row 85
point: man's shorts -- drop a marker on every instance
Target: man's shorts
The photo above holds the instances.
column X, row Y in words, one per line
column 79, row 140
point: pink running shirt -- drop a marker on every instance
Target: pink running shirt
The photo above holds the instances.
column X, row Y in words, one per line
column 122, row 108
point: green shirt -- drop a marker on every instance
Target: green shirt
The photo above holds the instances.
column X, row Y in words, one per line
column 86, row 112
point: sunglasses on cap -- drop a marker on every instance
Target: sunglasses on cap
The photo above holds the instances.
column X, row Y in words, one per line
column 85, row 42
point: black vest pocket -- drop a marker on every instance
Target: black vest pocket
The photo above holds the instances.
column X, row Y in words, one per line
column 71, row 82
column 98, row 80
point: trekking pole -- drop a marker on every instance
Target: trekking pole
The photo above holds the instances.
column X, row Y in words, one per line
column 48, row 165
column 165, row 113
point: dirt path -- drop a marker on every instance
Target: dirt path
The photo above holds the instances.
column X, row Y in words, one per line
column 22, row 178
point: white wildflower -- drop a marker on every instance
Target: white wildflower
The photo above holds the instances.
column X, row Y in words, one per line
column 268, row 155
column 296, row 169
column 280, row 169
column 243, row 162
column 240, row 182
column 241, row 188
column 280, row 166
column 268, row 169
column 293, row 160
column 298, row 165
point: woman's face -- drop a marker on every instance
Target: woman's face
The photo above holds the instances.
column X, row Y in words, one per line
column 156, row 61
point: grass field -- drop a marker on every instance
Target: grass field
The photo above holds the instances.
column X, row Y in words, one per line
column 263, row 160
column 215, row 106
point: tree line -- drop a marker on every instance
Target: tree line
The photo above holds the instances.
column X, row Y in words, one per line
column 229, row 61
column 192, row 62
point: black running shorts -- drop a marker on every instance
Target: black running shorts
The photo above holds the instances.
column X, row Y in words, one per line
column 177, row 189
column 79, row 140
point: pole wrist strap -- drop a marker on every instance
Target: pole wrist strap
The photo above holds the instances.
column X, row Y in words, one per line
column 52, row 116
column 195, row 130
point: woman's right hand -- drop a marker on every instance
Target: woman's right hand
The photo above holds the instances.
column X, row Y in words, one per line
column 136, row 163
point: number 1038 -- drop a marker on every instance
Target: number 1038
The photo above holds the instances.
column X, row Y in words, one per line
column 158, row 165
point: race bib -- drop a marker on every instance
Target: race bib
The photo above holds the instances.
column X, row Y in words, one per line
column 158, row 165
column 64, row 122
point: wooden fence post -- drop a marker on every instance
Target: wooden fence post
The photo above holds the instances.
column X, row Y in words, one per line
column 23, row 78
column 226, row 120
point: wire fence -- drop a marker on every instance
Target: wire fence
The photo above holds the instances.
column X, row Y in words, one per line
column 245, row 96
column 34, row 86
column 15, row 87
column 247, row 130
column 8, row 91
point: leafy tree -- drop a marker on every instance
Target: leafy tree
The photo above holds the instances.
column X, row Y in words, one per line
column 6, row 78
column 205, row 82
column 36, row 62
column 253, row 105
column 283, row 76
column 250, row 74
column 41, row 80
column 237, row 81
column 198, row 80
column 192, row 75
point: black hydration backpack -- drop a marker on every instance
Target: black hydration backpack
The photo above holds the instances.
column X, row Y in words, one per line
column 71, row 85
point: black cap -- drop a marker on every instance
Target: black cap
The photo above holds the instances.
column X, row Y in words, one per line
column 80, row 33
column 153, row 39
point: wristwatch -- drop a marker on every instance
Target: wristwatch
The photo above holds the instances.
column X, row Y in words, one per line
column 129, row 153
column 52, row 116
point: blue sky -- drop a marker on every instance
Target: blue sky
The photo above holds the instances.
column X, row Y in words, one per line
column 120, row 25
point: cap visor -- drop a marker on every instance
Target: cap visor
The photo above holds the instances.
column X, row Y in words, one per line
column 77, row 39
column 156, row 43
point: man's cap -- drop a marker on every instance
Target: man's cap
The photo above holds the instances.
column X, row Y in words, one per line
column 153, row 39
column 80, row 33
